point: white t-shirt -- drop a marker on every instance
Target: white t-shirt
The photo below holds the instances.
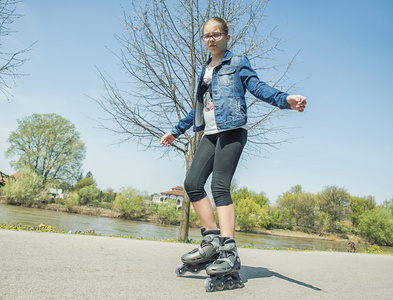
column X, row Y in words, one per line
column 208, row 106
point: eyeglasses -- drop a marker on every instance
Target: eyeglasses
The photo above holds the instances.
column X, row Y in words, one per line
column 216, row 36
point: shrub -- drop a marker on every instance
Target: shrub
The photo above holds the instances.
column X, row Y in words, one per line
column 166, row 212
column 377, row 226
column 88, row 195
column 129, row 203
column 72, row 202
column 251, row 215
column 26, row 189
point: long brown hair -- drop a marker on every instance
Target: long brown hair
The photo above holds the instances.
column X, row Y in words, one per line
column 224, row 25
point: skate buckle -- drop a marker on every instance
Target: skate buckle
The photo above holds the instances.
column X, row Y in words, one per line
column 201, row 252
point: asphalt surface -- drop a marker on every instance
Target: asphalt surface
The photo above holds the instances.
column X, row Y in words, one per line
column 36, row 265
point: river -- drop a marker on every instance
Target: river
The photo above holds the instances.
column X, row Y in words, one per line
column 109, row 226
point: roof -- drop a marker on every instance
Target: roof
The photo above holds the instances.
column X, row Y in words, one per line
column 177, row 191
column 178, row 188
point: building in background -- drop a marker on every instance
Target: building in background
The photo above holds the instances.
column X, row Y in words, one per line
column 176, row 193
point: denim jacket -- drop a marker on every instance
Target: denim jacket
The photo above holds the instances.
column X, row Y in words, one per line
column 231, row 78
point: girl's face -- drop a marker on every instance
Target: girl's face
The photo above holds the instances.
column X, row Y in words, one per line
column 217, row 47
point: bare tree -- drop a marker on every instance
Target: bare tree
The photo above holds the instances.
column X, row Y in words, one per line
column 162, row 52
column 9, row 61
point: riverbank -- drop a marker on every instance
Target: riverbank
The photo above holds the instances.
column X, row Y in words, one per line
column 58, row 266
column 108, row 213
column 301, row 234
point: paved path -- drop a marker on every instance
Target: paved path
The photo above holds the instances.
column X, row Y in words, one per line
column 36, row 265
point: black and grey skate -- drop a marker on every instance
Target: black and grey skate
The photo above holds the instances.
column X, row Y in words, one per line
column 224, row 272
column 201, row 257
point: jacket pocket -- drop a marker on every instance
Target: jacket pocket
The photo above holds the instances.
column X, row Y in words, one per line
column 227, row 75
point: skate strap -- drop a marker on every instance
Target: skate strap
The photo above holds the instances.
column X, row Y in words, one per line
column 208, row 238
column 227, row 247
column 227, row 260
column 201, row 251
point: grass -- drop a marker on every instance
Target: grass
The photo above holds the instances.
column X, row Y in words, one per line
column 372, row 249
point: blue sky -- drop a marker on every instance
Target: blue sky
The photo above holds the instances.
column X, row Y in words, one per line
column 345, row 137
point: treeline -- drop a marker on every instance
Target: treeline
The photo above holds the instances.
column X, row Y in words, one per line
column 333, row 210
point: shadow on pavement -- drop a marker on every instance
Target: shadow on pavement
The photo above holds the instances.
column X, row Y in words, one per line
column 258, row 272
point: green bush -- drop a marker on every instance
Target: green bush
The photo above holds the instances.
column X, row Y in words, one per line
column 166, row 212
column 129, row 203
column 360, row 205
column 72, row 202
column 26, row 189
column 377, row 226
column 88, row 195
column 251, row 215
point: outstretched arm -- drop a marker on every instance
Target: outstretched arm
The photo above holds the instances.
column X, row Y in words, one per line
column 297, row 102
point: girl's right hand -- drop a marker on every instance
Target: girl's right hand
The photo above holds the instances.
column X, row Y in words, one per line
column 167, row 139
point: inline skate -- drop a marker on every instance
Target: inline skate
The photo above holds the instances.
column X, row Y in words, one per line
column 224, row 272
column 199, row 258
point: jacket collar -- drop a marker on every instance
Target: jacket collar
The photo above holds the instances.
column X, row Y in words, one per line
column 227, row 56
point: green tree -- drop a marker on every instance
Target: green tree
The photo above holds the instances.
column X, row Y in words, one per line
column 377, row 226
column 88, row 195
column 297, row 207
column 276, row 218
column 388, row 204
column 334, row 202
column 162, row 52
column 286, row 205
column 26, row 189
column 129, row 203
column 49, row 145
column 242, row 193
column 84, row 182
column 251, row 215
column 359, row 205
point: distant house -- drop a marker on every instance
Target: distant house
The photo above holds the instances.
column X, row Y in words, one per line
column 175, row 193
column 4, row 177
column 56, row 193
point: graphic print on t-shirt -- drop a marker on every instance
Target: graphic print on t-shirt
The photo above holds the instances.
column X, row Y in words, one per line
column 207, row 96
column 208, row 113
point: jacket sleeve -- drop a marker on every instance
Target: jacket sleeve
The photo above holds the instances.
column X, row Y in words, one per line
column 183, row 124
column 260, row 89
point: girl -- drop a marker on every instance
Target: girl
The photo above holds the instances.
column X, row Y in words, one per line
column 221, row 111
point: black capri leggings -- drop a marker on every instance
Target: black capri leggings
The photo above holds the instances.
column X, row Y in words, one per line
column 218, row 154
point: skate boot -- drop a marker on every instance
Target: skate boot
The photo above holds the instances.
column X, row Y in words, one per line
column 199, row 258
column 224, row 272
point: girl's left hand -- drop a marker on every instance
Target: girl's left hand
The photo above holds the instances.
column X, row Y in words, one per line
column 297, row 102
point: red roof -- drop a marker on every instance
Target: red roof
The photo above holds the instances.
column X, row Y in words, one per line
column 178, row 188
column 177, row 191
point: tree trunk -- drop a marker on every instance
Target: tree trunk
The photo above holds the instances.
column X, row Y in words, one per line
column 185, row 219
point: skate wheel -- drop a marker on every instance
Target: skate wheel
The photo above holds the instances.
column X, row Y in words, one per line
column 208, row 285
column 195, row 271
column 221, row 287
column 179, row 270
column 230, row 285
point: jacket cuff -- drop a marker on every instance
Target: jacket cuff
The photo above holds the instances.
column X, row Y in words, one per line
column 176, row 133
column 285, row 104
